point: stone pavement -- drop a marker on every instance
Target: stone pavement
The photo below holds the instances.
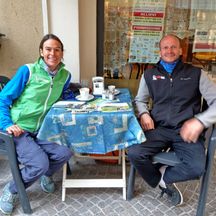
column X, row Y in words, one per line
column 108, row 201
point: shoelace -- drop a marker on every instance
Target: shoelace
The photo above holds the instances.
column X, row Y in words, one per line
column 8, row 197
column 165, row 190
column 162, row 192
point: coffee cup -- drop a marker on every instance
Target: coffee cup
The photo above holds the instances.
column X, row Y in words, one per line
column 111, row 88
column 84, row 93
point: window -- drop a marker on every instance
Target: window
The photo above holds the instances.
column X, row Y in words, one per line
column 131, row 30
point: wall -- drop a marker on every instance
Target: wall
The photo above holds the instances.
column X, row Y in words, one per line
column 87, row 28
column 21, row 21
column 63, row 21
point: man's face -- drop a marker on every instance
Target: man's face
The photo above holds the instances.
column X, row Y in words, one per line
column 170, row 49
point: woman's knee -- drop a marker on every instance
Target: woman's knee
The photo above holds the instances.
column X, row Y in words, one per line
column 39, row 165
column 65, row 153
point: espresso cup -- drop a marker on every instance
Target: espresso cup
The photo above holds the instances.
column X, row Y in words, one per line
column 84, row 93
column 111, row 88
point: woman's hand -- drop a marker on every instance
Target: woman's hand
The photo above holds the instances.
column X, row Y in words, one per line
column 146, row 122
column 15, row 130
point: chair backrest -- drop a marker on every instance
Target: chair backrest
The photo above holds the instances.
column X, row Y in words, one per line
column 3, row 81
column 6, row 143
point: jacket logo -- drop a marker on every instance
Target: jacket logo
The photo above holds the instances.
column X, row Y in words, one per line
column 158, row 77
column 185, row 78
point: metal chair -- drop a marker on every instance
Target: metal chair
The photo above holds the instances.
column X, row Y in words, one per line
column 169, row 158
column 7, row 148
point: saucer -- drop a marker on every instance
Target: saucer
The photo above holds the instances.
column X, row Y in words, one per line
column 116, row 92
column 78, row 97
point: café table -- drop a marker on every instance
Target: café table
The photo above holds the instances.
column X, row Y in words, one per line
column 93, row 129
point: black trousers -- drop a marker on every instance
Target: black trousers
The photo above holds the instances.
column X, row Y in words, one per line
column 191, row 155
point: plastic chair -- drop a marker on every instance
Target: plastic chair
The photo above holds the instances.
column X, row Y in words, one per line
column 3, row 81
column 169, row 158
column 8, row 149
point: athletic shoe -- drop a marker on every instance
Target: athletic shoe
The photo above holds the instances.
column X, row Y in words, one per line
column 47, row 184
column 7, row 200
column 173, row 193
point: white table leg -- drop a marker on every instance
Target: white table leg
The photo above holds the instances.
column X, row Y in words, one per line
column 96, row 183
column 124, row 174
column 63, row 181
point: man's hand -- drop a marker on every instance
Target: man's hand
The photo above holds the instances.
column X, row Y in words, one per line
column 191, row 130
column 146, row 122
column 15, row 130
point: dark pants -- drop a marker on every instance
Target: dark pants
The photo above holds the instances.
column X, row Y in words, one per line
column 38, row 158
column 191, row 155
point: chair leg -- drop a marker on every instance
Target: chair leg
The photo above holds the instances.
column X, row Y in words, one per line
column 11, row 152
column 68, row 169
column 23, row 197
column 205, row 182
column 131, row 181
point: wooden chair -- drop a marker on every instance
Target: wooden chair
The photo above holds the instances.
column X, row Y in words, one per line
column 7, row 148
column 169, row 158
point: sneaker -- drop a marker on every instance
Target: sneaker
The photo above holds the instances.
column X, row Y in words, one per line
column 47, row 184
column 7, row 200
column 173, row 194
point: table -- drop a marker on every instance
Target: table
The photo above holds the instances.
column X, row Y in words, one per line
column 94, row 132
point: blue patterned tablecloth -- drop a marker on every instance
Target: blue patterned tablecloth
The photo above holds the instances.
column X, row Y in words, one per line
column 93, row 132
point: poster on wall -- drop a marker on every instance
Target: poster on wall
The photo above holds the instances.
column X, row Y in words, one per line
column 147, row 29
column 202, row 14
column 203, row 19
column 205, row 41
column 117, row 16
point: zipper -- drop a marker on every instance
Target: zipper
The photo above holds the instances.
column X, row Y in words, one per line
column 171, row 81
column 170, row 104
column 45, row 104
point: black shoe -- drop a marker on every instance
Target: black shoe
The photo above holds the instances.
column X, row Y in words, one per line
column 173, row 194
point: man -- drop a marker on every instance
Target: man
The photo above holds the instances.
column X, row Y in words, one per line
column 175, row 120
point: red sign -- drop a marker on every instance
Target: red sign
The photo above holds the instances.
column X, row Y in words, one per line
column 148, row 14
column 147, row 28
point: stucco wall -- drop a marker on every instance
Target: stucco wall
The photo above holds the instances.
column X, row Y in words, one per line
column 21, row 21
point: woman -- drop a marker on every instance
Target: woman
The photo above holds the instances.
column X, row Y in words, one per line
column 24, row 102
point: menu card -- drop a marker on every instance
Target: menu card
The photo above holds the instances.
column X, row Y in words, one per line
column 114, row 107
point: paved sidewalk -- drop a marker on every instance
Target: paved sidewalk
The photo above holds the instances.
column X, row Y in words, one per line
column 108, row 201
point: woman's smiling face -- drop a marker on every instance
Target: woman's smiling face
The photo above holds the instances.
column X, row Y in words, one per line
column 52, row 53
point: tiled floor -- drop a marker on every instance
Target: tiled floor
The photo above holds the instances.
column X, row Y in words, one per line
column 109, row 202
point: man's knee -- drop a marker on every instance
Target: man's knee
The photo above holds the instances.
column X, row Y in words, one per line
column 136, row 154
column 197, row 170
column 193, row 171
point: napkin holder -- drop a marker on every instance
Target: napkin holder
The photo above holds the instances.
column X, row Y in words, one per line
column 98, row 85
